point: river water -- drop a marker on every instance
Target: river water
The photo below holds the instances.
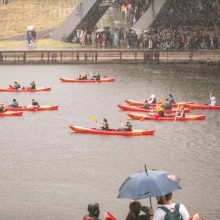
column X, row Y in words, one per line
column 48, row 172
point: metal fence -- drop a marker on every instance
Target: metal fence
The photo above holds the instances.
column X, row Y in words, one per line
column 107, row 56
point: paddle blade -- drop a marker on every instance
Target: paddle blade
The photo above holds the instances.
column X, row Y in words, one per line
column 109, row 216
column 93, row 118
column 142, row 118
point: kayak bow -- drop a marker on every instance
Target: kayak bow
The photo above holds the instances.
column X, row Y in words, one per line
column 11, row 113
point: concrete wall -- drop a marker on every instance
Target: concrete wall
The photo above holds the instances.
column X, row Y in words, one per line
column 148, row 17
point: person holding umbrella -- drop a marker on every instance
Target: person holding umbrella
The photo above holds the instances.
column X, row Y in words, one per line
column 155, row 183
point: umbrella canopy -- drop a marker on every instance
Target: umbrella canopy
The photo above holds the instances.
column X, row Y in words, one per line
column 148, row 184
column 100, row 30
column 30, row 28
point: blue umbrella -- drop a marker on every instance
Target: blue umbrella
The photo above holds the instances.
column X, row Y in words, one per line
column 147, row 184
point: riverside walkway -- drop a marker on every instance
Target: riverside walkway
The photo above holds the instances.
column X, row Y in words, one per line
column 92, row 55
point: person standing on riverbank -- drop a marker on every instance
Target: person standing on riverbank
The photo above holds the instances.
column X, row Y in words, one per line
column 29, row 37
column 168, row 208
column 94, row 212
column 5, row 2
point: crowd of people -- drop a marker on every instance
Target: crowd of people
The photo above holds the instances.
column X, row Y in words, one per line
column 133, row 9
column 191, row 27
column 163, row 38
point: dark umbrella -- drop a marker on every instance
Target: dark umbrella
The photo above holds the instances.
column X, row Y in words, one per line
column 147, row 184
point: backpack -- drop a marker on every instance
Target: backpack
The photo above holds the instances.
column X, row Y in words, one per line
column 172, row 214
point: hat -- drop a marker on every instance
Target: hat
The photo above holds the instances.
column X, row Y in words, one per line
column 152, row 96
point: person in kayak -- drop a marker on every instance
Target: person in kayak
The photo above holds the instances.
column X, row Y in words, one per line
column 146, row 105
column 104, row 124
column 152, row 99
column 160, row 110
column 96, row 76
column 180, row 111
column 167, row 105
column 171, row 99
column 126, row 127
column 82, row 76
column 33, row 85
column 35, row 103
column 14, row 103
column 212, row 100
column 2, row 107
column 16, row 85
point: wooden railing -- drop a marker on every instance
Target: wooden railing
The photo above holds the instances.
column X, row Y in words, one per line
column 107, row 56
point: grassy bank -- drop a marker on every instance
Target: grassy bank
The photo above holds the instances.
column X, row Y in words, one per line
column 43, row 14
column 42, row 43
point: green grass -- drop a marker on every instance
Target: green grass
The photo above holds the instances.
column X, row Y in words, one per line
column 11, row 43
column 39, row 44
column 52, row 43
column 43, row 14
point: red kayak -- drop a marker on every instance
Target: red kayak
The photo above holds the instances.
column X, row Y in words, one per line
column 106, row 79
column 141, row 109
column 11, row 113
column 25, row 89
column 166, row 118
column 79, row 129
column 141, row 103
column 32, row 108
column 203, row 107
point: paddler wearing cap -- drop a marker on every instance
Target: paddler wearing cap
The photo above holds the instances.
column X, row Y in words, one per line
column 126, row 127
column 152, row 99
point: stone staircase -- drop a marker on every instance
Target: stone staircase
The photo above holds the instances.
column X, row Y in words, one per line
column 113, row 18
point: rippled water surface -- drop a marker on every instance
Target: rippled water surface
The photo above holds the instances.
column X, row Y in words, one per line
column 48, row 172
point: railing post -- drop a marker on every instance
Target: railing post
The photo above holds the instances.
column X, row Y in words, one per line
column 1, row 57
column 77, row 56
column 61, row 56
column 24, row 57
column 96, row 56
column 191, row 56
column 120, row 54
column 85, row 56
